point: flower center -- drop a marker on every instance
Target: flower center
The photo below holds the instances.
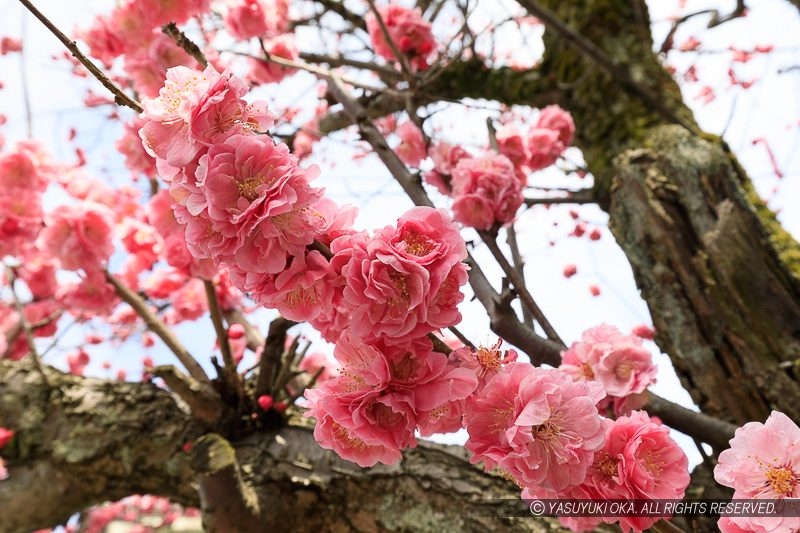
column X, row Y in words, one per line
column 416, row 244
column 401, row 298
column 624, row 370
column 782, row 480
column 300, row 296
column 547, row 431
column 343, row 434
column 489, row 358
column 352, row 381
column 248, row 187
column 606, row 464
column 653, row 463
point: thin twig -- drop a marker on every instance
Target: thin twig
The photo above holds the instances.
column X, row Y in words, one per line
column 581, row 196
column 460, row 336
column 340, row 61
column 61, row 334
column 23, row 75
column 26, row 327
column 519, row 265
column 309, row 385
column 230, row 375
column 337, row 6
column 318, row 71
column 411, row 185
column 706, row 459
column 119, row 97
column 159, row 328
column 519, row 285
column 401, row 58
column 188, row 46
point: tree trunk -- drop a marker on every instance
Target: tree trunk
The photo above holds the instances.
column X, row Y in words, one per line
column 719, row 274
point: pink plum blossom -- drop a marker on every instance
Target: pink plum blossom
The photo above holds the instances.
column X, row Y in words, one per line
column 619, row 362
column 282, row 46
column 301, row 291
column 553, row 117
column 369, row 411
column 763, row 462
column 78, row 236
column 196, row 109
column 147, row 65
column 250, row 207
column 486, row 191
column 638, row 461
column 403, row 282
column 485, row 361
column 137, row 160
column 104, row 43
column 92, row 295
column 257, row 18
column 513, row 144
column 410, row 33
column 537, row 424
column 544, row 146
column 5, row 436
column 411, row 149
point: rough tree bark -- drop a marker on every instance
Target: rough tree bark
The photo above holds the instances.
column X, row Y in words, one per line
column 720, row 276
column 84, row 441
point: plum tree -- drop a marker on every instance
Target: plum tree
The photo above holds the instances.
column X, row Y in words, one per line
column 222, row 218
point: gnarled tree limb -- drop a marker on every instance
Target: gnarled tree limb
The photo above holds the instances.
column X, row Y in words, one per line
column 98, row 439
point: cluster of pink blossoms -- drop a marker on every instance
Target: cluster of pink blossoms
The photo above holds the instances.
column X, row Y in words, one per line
column 133, row 29
column 249, row 207
column 763, row 462
column 410, row 34
column 257, row 18
column 396, row 287
column 638, row 461
column 618, row 362
column 486, row 190
column 542, row 145
column 24, row 176
column 537, row 425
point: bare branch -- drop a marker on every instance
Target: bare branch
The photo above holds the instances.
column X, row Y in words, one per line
column 580, row 196
column 269, row 366
column 24, row 325
column 119, row 96
column 519, row 285
column 230, row 375
column 159, row 328
column 185, row 43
